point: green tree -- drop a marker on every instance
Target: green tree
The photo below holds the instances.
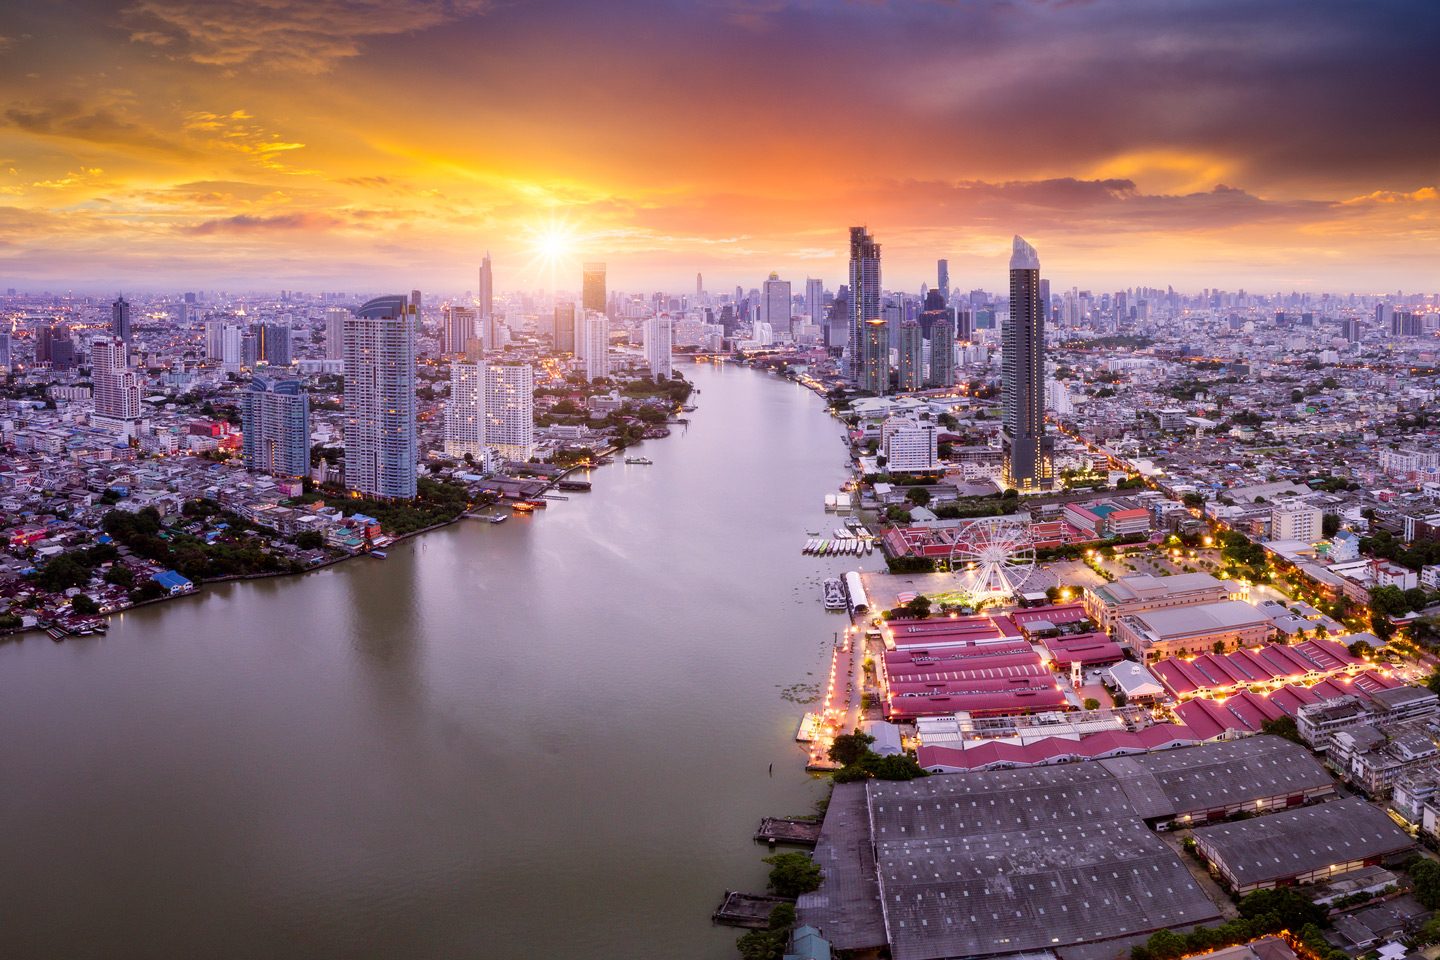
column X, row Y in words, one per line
column 1290, row 908
column 1284, row 727
column 310, row 540
column 1425, row 874
column 1091, row 703
column 83, row 605
column 849, row 748
column 918, row 496
column 793, row 873
column 1120, row 698
column 1329, row 525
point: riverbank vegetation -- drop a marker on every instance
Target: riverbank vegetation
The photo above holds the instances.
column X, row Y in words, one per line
column 858, row 762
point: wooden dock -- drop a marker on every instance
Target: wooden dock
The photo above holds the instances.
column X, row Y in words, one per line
column 805, row 833
column 750, row 910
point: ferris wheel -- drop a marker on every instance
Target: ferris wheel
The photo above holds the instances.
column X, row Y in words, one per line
column 992, row 557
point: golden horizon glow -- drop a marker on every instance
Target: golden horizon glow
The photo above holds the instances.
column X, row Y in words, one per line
column 324, row 144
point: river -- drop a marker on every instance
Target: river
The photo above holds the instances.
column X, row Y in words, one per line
column 543, row 738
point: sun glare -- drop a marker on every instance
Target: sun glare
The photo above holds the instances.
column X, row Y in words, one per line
column 553, row 251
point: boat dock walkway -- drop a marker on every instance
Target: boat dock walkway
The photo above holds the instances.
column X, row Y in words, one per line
column 805, row 833
column 750, row 910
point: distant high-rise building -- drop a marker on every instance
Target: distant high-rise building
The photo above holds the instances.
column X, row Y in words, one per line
column 415, row 306
column 117, row 387
column 1351, row 329
column 699, row 287
column 597, row 345
column 120, row 319
column 815, row 301
column 775, row 304
column 465, row 410
column 510, row 410
column 6, row 362
column 875, row 357
column 912, row 353
column 943, row 272
column 658, row 332
column 249, row 349
column 380, row 399
column 275, row 415
column 592, row 287
column 486, row 293
column 215, row 339
column 334, row 333
column 1029, row 453
column 565, row 326
column 232, row 347
column 964, row 325
column 942, row 352
column 272, row 343
column 864, row 296
column 459, row 330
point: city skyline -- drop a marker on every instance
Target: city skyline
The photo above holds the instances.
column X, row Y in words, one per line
column 165, row 143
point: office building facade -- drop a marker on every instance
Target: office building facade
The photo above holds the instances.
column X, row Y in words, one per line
column 658, row 336
column 459, row 330
column 334, row 333
column 465, row 411
column 380, row 399
column 597, row 345
column 864, row 296
column 565, row 314
column 485, row 293
column 942, row 352
column 1029, row 453
column 117, row 387
column 815, row 301
column 510, row 410
column 275, row 415
column 912, row 356
column 775, row 304
column 120, row 319
column 592, row 287
column 875, row 357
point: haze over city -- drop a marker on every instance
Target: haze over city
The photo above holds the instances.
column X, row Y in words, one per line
column 166, row 144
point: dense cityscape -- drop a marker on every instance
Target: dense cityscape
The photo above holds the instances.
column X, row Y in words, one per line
column 775, row 479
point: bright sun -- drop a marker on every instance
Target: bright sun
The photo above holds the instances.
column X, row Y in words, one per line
column 552, row 252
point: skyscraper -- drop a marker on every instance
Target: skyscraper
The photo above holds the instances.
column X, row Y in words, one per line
column 486, row 292
column 276, row 419
column 117, row 387
column 815, row 301
column 380, row 399
column 592, row 290
column 942, row 352
column 597, row 345
column 459, row 329
column 875, row 357
column 465, row 411
column 334, row 333
column 657, row 345
column 699, row 287
column 510, row 410
column 6, row 363
column 120, row 319
column 912, row 354
column 943, row 271
column 864, row 295
column 565, row 326
column 1029, row 454
column 272, row 343
column 775, row 304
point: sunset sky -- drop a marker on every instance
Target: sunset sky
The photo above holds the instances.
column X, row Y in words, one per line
column 376, row 144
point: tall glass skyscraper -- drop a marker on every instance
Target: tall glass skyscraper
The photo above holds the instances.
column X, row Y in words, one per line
column 486, row 293
column 120, row 319
column 875, row 357
column 942, row 352
column 1029, row 454
column 912, row 353
column 864, row 299
column 592, row 287
column 276, row 418
column 380, row 399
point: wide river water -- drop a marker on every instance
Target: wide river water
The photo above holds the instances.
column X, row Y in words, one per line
column 543, row 738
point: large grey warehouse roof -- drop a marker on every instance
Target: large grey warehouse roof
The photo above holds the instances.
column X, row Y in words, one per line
column 1298, row 841
column 1172, row 783
column 1002, row 862
column 991, row 863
